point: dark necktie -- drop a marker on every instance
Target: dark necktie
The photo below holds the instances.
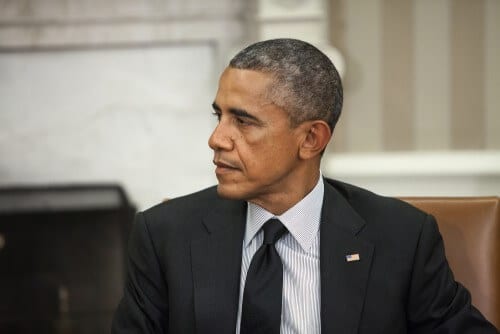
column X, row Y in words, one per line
column 261, row 310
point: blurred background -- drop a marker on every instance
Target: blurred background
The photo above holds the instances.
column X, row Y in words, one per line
column 120, row 91
column 105, row 108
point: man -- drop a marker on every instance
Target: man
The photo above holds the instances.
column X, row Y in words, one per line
column 275, row 246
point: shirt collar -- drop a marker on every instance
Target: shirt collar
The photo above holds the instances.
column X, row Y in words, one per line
column 302, row 220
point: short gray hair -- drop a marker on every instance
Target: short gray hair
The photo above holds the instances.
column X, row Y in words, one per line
column 306, row 83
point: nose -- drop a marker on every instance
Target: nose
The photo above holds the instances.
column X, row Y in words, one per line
column 220, row 138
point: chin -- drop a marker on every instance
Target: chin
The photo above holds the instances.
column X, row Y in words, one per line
column 229, row 192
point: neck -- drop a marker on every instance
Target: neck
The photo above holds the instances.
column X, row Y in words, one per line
column 279, row 202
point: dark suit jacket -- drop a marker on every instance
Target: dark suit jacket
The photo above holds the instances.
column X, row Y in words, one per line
column 185, row 260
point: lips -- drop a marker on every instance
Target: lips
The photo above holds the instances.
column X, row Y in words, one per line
column 224, row 166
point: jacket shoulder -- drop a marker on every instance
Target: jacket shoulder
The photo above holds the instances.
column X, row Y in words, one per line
column 374, row 207
column 363, row 200
column 182, row 210
column 199, row 200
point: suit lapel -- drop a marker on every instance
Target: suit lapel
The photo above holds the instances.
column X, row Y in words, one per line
column 343, row 283
column 216, row 265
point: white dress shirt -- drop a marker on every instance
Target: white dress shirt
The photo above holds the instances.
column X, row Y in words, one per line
column 299, row 252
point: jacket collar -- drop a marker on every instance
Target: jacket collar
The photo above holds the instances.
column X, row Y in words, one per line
column 343, row 281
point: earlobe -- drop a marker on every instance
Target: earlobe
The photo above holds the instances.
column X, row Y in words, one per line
column 316, row 138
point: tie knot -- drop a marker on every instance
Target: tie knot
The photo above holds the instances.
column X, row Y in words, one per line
column 273, row 231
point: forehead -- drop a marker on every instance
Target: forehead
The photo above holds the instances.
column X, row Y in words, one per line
column 250, row 91
column 243, row 86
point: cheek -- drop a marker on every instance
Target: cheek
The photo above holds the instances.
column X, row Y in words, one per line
column 256, row 160
column 261, row 152
column 265, row 160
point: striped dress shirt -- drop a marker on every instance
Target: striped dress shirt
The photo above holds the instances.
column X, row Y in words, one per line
column 299, row 252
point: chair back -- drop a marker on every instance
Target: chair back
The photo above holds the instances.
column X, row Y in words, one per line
column 470, row 227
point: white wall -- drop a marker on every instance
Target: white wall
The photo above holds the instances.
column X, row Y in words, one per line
column 106, row 91
column 137, row 116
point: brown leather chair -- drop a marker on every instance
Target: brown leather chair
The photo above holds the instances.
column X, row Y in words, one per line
column 471, row 232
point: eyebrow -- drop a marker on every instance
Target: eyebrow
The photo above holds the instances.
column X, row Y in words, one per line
column 237, row 112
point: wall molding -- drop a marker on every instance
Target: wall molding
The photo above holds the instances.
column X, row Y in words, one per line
column 439, row 173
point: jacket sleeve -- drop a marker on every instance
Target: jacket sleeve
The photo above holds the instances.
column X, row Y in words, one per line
column 438, row 304
column 143, row 308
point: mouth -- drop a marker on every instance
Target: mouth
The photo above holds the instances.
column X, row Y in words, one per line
column 223, row 167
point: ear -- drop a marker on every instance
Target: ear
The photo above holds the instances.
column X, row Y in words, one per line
column 317, row 136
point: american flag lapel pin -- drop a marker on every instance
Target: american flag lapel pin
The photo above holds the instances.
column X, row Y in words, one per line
column 352, row 257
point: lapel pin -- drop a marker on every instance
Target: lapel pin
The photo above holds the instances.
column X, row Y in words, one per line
column 352, row 257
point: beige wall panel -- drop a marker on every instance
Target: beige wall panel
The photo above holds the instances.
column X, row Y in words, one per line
column 397, row 75
column 492, row 74
column 432, row 74
column 337, row 38
column 307, row 30
column 467, row 38
column 362, row 115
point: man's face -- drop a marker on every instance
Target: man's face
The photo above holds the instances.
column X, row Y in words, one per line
column 255, row 149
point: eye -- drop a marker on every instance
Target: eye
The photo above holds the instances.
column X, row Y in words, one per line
column 217, row 114
column 241, row 121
